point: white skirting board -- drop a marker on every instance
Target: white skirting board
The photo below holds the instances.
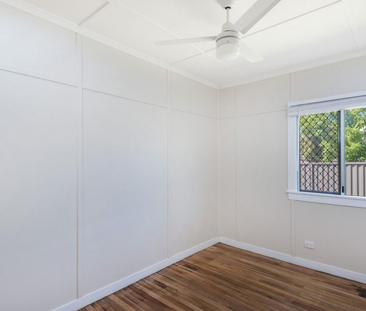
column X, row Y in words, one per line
column 109, row 289
column 105, row 291
column 347, row 274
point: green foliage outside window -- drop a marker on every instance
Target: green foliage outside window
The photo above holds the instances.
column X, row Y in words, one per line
column 355, row 141
column 319, row 136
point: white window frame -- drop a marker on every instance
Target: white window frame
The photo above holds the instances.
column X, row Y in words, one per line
column 295, row 110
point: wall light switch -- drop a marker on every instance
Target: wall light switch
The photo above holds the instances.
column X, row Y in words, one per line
column 308, row 244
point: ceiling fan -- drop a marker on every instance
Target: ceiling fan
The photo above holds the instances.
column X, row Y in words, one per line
column 228, row 42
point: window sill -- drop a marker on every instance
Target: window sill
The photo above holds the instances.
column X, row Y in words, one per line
column 327, row 199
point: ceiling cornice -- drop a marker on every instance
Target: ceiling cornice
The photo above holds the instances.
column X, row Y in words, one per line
column 92, row 35
column 304, row 66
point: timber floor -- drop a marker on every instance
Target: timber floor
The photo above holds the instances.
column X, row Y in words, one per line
column 225, row 278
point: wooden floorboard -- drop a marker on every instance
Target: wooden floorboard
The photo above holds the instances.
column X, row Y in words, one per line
column 225, row 278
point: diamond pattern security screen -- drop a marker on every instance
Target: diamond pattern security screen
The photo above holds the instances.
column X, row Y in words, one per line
column 355, row 151
column 320, row 153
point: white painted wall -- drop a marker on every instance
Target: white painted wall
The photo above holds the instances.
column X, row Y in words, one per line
column 193, row 180
column 253, row 136
column 108, row 164
column 38, row 152
column 125, row 188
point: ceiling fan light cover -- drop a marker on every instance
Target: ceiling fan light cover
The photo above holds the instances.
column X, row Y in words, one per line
column 228, row 51
column 228, row 48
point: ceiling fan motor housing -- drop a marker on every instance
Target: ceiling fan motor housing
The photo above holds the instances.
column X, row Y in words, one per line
column 228, row 45
column 226, row 3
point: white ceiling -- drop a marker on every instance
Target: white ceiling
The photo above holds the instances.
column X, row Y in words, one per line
column 326, row 34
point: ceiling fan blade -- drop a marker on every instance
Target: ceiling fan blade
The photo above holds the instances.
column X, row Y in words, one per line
column 185, row 41
column 254, row 15
column 250, row 54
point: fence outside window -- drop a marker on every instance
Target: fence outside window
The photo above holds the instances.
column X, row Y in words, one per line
column 324, row 177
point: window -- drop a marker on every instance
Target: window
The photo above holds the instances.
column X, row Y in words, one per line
column 320, row 161
column 355, row 151
column 327, row 150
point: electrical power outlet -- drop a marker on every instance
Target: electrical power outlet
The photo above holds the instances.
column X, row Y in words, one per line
column 308, row 244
